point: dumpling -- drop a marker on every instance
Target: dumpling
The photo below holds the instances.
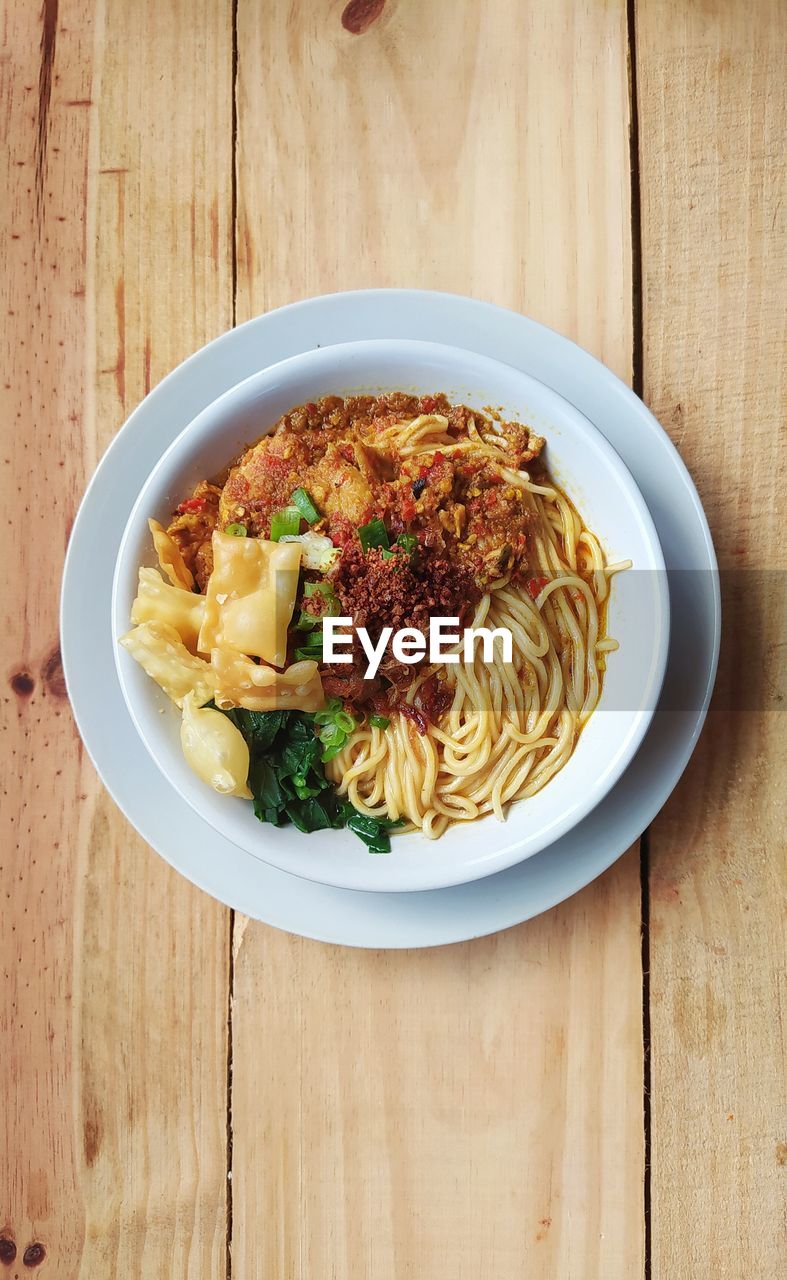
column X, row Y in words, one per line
column 250, row 597
column 215, row 749
column 242, row 683
column 161, row 653
column 157, row 601
column 170, row 558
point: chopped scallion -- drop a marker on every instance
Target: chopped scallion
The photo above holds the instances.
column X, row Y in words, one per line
column 408, row 541
column 333, row 726
column 373, row 534
column 236, row 530
column 303, row 502
column 311, row 649
column 331, row 735
column 330, row 601
column 326, row 715
column 327, row 602
column 379, row 722
column 285, row 523
column 308, row 655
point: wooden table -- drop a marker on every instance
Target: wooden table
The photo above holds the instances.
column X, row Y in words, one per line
column 598, row 1093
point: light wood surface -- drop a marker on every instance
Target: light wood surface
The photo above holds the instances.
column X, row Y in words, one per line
column 476, row 1111
column 377, row 1136
column 713, row 126
column 113, row 1030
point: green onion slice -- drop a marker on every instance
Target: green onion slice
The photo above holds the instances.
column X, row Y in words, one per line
column 236, row 530
column 331, row 603
column 331, row 735
column 285, row 524
column 326, row 715
column 306, row 507
column 379, row 722
column 334, row 726
column 309, row 655
column 311, row 650
column 373, row 534
column 314, row 639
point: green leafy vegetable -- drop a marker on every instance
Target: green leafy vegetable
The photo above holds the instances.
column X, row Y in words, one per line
column 236, row 530
column 373, row 831
column 373, row 534
column 285, row 524
column 311, row 815
column 260, row 727
column 287, row 775
column 269, row 797
column 303, row 502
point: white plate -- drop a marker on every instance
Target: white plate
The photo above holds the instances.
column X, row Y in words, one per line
column 592, row 474
column 348, row 916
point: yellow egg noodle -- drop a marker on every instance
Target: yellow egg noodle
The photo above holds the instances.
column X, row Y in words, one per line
column 509, row 727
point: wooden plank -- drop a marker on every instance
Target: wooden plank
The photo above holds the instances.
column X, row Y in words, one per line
column 712, row 129
column 40, row 1201
column 474, row 1111
column 416, row 153
column 114, row 1000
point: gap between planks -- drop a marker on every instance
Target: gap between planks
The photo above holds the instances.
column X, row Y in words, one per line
column 234, row 312
column 638, row 382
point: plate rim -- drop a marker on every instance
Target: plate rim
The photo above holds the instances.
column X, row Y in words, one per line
column 466, row 309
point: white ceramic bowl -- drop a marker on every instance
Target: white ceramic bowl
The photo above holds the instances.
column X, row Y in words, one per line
column 592, row 474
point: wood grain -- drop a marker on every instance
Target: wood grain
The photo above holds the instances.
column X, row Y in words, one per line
column 114, row 1001
column 713, row 179
column 454, row 145
column 475, row 1111
column 45, row 149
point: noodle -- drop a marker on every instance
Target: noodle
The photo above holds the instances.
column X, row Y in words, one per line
column 411, row 513
column 510, row 726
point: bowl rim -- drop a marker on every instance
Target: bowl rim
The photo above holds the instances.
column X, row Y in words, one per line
column 510, row 851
